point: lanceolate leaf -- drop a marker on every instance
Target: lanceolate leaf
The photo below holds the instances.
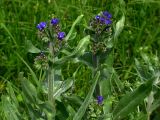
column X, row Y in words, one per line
column 31, row 48
column 9, row 109
column 65, row 86
column 155, row 105
column 12, row 94
column 129, row 102
column 29, row 90
column 119, row 27
column 82, row 109
column 83, row 43
column 73, row 26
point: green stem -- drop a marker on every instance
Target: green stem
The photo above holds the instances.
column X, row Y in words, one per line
column 51, row 73
column 50, row 84
column 95, row 62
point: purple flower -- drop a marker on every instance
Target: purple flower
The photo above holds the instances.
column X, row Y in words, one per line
column 107, row 14
column 41, row 26
column 99, row 99
column 97, row 17
column 61, row 35
column 108, row 22
column 54, row 21
column 102, row 19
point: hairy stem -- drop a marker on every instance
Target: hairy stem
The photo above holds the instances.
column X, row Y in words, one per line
column 51, row 73
column 95, row 62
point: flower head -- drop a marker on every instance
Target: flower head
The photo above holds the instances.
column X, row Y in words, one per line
column 99, row 99
column 54, row 21
column 103, row 19
column 61, row 35
column 41, row 26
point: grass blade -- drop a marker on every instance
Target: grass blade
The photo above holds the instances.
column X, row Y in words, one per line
column 82, row 109
column 73, row 26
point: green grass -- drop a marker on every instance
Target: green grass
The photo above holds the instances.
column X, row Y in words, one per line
column 134, row 58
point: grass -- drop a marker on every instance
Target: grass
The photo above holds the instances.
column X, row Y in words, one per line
column 134, row 58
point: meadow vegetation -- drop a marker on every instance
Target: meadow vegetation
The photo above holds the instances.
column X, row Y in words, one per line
column 91, row 76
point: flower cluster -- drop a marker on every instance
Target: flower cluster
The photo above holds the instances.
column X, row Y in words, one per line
column 50, row 33
column 100, row 30
column 54, row 23
column 101, row 22
column 60, row 34
column 41, row 62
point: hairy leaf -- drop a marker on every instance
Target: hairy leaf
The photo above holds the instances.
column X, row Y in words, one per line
column 31, row 48
column 130, row 101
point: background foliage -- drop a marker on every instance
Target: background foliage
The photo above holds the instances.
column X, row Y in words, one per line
column 131, row 73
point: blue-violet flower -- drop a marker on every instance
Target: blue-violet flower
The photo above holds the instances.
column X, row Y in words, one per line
column 97, row 17
column 99, row 99
column 54, row 21
column 108, row 22
column 107, row 14
column 102, row 19
column 61, row 35
column 41, row 26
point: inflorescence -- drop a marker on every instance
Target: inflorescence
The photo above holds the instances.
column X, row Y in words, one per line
column 101, row 22
column 101, row 30
column 55, row 24
column 49, row 32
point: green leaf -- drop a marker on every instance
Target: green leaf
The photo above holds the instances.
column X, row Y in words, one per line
column 29, row 90
column 87, row 59
column 82, row 109
column 65, row 86
column 130, row 101
column 9, row 109
column 111, row 79
column 73, row 100
column 61, row 112
column 47, row 108
column 73, row 26
column 71, row 112
column 35, row 79
column 115, row 78
column 119, row 27
column 10, row 91
column 107, row 107
column 31, row 48
column 155, row 105
column 82, row 45
column 105, row 82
